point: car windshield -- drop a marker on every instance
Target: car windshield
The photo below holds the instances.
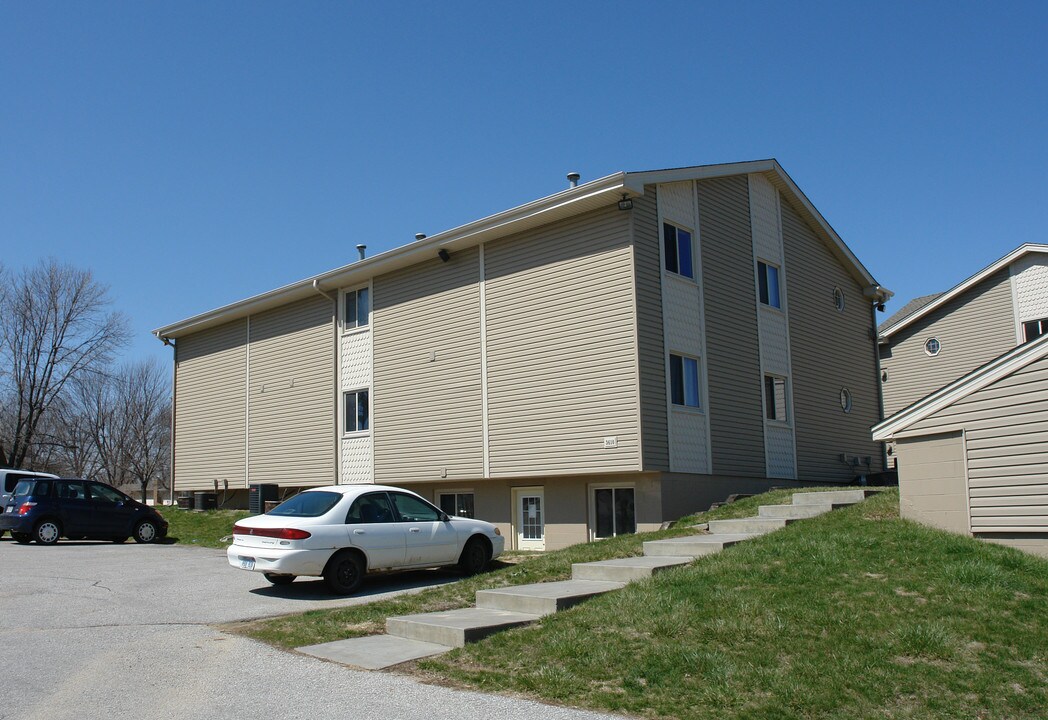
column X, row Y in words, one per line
column 307, row 504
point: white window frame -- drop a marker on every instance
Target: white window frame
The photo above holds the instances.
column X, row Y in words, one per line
column 938, row 345
column 591, row 491
column 678, row 227
column 1041, row 322
column 778, row 284
column 785, row 398
column 355, row 327
column 455, row 491
column 839, row 301
column 700, row 408
column 346, row 432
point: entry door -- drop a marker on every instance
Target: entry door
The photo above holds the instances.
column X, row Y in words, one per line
column 531, row 519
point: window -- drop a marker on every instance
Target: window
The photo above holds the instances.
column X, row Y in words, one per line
column 684, row 381
column 357, row 411
column 457, row 504
column 1034, row 329
column 768, row 284
column 357, row 308
column 614, row 512
column 838, row 299
column 677, row 243
column 775, row 398
column 932, row 347
column 413, row 509
column 846, row 400
column 312, row 503
column 104, row 493
column 370, row 508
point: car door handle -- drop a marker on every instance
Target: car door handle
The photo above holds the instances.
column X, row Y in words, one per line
column 358, row 532
column 414, row 530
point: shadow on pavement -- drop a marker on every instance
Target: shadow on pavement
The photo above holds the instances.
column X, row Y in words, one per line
column 315, row 589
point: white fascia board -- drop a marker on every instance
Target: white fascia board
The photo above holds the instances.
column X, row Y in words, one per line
column 962, row 288
column 636, row 182
column 553, row 207
column 991, row 372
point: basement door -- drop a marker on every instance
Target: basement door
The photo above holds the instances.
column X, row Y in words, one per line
column 530, row 518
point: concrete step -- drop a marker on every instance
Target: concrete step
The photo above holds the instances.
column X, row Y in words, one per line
column 793, row 512
column 544, row 598
column 693, row 545
column 626, row 569
column 837, row 497
column 374, row 652
column 455, row 628
column 750, row 525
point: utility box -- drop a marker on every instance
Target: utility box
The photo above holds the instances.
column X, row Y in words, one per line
column 259, row 495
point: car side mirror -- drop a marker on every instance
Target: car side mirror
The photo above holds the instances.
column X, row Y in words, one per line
column 444, row 517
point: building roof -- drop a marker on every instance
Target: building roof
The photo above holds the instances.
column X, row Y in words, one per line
column 898, row 321
column 908, row 309
column 998, row 368
column 599, row 193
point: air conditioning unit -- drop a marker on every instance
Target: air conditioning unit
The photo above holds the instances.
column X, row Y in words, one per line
column 257, row 495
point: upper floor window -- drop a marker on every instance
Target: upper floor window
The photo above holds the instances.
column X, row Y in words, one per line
column 357, row 309
column 1034, row 329
column 932, row 347
column 357, row 412
column 677, row 243
column 768, row 284
column 684, row 381
column 775, row 398
column 838, row 299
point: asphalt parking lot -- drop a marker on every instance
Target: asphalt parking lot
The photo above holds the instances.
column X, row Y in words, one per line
column 96, row 630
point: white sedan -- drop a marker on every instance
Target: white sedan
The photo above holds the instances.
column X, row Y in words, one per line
column 342, row 532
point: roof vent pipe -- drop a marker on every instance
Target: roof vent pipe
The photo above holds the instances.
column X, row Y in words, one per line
column 573, row 179
column 420, row 236
column 361, row 249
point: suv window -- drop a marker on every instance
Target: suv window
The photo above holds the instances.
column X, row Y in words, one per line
column 39, row 488
column 412, row 509
column 71, row 491
column 371, row 508
column 104, row 493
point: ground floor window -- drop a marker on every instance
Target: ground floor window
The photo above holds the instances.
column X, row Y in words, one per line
column 614, row 511
column 457, row 504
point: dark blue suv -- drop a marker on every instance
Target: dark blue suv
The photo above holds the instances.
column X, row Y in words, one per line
column 45, row 509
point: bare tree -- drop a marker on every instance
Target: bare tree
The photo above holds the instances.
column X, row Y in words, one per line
column 146, row 406
column 56, row 326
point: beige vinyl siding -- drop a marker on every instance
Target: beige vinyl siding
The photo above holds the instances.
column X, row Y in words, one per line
column 931, row 483
column 651, row 351
column 210, row 412
column 562, row 349
column 829, row 350
column 427, row 421
column 973, row 328
column 733, row 365
column 1006, row 432
column 292, row 401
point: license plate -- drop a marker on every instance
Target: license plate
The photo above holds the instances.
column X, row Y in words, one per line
column 11, row 509
column 247, row 563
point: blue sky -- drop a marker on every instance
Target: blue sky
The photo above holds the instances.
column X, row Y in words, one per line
column 193, row 154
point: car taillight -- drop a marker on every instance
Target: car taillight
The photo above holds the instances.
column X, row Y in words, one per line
column 279, row 533
column 26, row 507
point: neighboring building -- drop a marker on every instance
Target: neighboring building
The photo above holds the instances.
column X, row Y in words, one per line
column 936, row 339
column 972, row 455
column 600, row 360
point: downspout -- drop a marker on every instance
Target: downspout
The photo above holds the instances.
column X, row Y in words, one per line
column 335, row 441
column 174, row 384
column 878, row 296
column 316, row 286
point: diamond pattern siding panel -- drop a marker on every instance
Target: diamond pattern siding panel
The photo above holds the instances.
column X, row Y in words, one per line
column 764, row 217
column 355, row 465
column 677, row 203
column 1030, row 276
column 779, row 451
column 688, row 448
column 682, row 318
column 355, row 371
column 775, row 349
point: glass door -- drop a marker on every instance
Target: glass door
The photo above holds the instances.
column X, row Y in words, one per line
column 530, row 519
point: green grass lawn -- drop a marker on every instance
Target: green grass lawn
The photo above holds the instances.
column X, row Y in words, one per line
column 856, row 614
column 205, row 529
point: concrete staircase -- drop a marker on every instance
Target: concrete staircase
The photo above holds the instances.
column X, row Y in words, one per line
column 410, row 637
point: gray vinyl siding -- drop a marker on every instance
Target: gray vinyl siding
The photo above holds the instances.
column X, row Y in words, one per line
column 972, row 329
column 1006, row 436
column 829, row 350
column 427, row 420
column 650, row 346
column 292, row 402
column 733, row 365
column 562, row 348
column 210, row 411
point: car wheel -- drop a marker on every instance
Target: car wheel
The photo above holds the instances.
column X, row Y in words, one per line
column 475, row 556
column 344, row 573
column 145, row 532
column 47, row 532
column 21, row 538
column 279, row 579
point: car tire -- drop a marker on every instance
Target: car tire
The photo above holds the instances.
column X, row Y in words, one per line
column 344, row 572
column 21, row 538
column 279, row 579
column 47, row 532
column 475, row 556
column 146, row 532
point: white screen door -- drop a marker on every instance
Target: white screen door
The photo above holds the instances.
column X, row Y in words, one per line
column 531, row 519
